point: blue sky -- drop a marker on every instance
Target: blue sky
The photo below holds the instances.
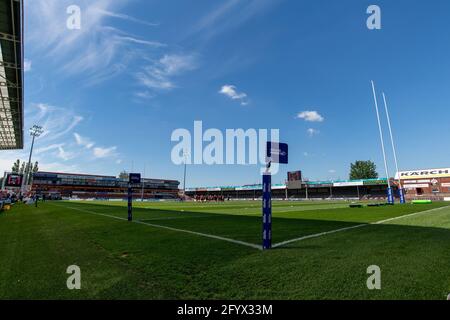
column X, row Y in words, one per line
column 111, row 94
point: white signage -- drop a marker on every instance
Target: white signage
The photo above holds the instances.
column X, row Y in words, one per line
column 348, row 184
column 417, row 181
column 415, row 186
column 423, row 174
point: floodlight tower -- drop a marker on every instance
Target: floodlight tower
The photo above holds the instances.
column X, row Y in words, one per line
column 35, row 132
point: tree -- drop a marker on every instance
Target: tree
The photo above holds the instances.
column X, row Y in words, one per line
column 123, row 175
column 32, row 172
column 16, row 166
column 363, row 170
column 22, row 168
column 36, row 167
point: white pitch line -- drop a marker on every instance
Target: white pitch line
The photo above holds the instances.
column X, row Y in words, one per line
column 300, row 209
column 354, row 227
column 411, row 215
column 175, row 218
column 251, row 245
column 316, row 235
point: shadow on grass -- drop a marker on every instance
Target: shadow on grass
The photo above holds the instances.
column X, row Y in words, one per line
column 145, row 263
column 248, row 228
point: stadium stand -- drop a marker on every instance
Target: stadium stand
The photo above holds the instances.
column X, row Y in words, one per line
column 53, row 185
column 321, row 190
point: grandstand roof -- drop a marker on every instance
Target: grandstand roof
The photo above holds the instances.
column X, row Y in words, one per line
column 98, row 176
column 76, row 174
column 11, row 75
column 334, row 183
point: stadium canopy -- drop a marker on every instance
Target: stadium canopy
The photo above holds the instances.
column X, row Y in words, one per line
column 11, row 75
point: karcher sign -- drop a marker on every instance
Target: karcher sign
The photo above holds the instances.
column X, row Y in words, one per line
column 422, row 174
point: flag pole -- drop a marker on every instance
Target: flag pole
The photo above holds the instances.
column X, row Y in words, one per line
column 389, row 191
column 401, row 192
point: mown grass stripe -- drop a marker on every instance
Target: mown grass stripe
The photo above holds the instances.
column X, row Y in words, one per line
column 280, row 244
column 211, row 236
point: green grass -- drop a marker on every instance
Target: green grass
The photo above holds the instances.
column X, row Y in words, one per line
column 122, row 260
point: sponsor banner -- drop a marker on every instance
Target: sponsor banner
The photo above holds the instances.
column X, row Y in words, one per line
column 259, row 187
column 447, row 199
column 415, row 186
column 374, row 182
column 320, row 185
column 228, row 189
column 446, row 185
column 213, row 189
column 417, row 181
column 348, row 184
column 423, row 174
column 255, row 187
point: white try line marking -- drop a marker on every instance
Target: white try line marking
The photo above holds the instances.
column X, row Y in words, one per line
column 354, row 227
column 303, row 209
column 247, row 244
column 175, row 218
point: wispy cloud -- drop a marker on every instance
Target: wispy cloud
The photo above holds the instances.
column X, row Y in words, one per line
column 144, row 95
column 160, row 74
column 96, row 152
column 97, row 50
column 155, row 44
column 64, row 155
column 58, row 147
column 57, row 166
column 216, row 15
column 312, row 132
column 230, row 15
column 310, row 116
column 45, row 164
column 100, row 50
column 101, row 153
column 231, row 92
column 83, row 142
column 127, row 18
column 48, row 148
column 56, row 121
column 27, row 65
